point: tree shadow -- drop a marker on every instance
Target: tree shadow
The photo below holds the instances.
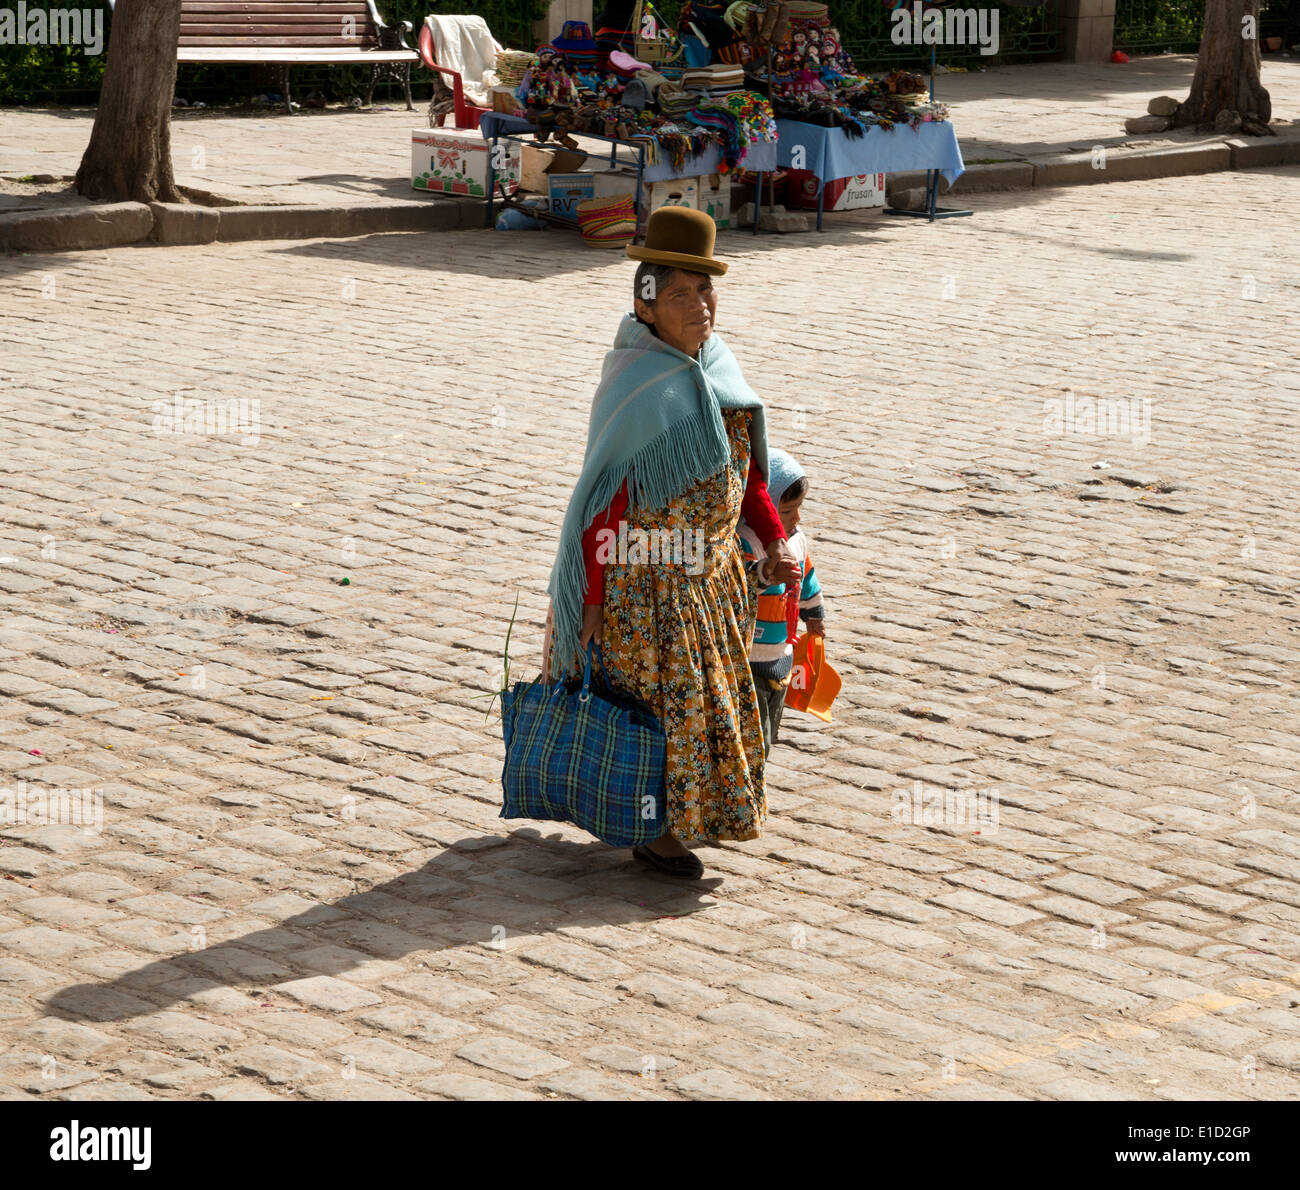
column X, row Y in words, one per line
column 425, row 910
column 396, row 188
column 1128, row 254
column 509, row 256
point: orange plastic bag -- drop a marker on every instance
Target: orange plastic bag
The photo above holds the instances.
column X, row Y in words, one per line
column 813, row 682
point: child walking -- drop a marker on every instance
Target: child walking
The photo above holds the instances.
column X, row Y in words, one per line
column 771, row 657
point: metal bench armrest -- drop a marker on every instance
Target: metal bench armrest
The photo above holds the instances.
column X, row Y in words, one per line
column 391, row 37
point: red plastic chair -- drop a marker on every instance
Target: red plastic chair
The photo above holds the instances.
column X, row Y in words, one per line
column 466, row 114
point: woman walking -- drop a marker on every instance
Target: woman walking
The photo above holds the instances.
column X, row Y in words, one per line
column 676, row 450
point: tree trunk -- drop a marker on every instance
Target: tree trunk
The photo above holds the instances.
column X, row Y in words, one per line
column 129, row 157
column 1227, row 67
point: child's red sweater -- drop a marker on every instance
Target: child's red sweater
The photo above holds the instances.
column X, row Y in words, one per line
column 756, row 508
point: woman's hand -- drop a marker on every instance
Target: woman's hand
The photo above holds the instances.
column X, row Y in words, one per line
column 592, row 624
column 816, row 627
column 782, row 565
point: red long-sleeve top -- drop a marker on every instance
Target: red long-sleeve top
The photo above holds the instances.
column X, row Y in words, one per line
column 756, row 508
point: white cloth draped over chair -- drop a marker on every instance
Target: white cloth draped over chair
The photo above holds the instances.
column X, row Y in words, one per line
column 465, row 44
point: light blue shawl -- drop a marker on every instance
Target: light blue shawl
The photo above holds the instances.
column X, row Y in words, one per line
column 656, row 421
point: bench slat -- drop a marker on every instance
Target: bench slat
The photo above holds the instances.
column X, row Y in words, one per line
column 343, row 45
column 235, row 19
column 311, row 11
column 360, row 57
column 274, row 28
column 308, row 6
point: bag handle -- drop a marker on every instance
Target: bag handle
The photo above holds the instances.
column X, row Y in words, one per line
column 593, row 649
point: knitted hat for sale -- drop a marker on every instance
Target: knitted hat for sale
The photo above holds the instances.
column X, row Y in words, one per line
column 785, row 474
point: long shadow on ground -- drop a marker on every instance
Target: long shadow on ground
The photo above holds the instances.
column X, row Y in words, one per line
column 425, row 910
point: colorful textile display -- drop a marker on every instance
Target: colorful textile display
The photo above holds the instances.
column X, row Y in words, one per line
column 674, row 102
column 741, row 119
column 713, row 82
column 710, row 19
column 857, row 110
column 577, row 45
column 681, row 141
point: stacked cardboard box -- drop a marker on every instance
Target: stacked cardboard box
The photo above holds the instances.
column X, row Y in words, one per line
column 455, row 161
column 842, row 194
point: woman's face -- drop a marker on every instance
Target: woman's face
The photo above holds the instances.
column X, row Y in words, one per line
column 684, row 311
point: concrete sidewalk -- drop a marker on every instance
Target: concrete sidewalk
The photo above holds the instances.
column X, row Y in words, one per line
column 1034, row 117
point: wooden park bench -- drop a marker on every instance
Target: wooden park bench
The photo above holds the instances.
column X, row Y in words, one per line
column 287, row 33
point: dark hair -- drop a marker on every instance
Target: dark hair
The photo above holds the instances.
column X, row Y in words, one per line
column 795, row 490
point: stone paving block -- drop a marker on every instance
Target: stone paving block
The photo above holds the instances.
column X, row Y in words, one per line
column 106, row 1092
column 716, row 1084
column 438, row 991
column 383, row 1058
column 416, row 1024
column 42, row 1074
column 64, row 1038
column 327, row 994
column 509, row 1056
column 278, row 1067
column 552, row 1028
column 468, row 1087
column 630, row 1060
column 243, row 1091
column 797, row 994
column 669, row 991
column 44, row 944
column 578, row 962
column 585, row 1084
column 987, row 908
column 361, row 1090
column 304, row 1030
column 183, row 1033
column 868, row 1061
column 760, row 1022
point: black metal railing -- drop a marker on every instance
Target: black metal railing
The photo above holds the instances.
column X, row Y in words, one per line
column 1174, row 26
column 1024, row 35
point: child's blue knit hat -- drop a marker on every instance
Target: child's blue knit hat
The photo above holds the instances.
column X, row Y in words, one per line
column 785, row 473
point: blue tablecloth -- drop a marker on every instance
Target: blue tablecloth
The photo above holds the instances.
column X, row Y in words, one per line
column 762, row 155
column 831, row 153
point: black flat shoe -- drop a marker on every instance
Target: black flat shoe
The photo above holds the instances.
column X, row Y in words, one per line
column 684, row 867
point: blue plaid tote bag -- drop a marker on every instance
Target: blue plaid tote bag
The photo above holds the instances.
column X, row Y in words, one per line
column 588, row 756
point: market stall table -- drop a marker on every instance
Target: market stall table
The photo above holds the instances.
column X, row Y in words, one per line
column 496, row 126
column 830, row 153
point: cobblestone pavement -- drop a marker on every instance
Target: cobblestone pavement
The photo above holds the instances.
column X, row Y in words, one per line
column 339, row 156
column 1053, row 453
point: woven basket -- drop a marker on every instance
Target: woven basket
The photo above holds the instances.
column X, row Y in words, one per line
column 806, row 10
column 607, row 222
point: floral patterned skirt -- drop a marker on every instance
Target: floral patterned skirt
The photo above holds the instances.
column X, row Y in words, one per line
column 678, row 620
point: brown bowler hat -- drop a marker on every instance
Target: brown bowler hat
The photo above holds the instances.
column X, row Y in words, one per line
column 681, row 237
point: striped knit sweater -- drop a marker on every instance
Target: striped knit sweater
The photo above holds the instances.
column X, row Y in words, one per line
column 772, row 653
